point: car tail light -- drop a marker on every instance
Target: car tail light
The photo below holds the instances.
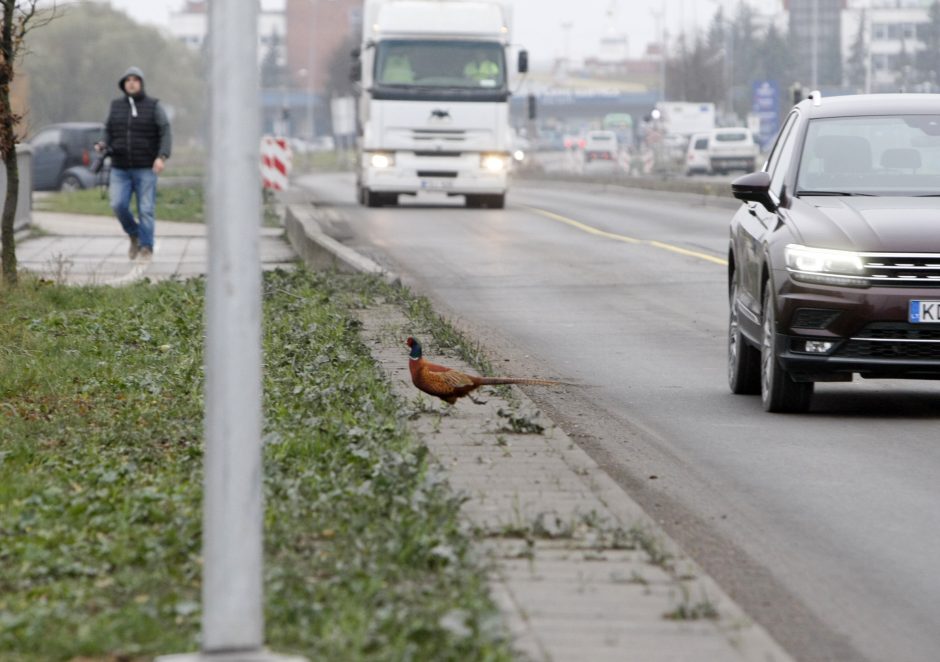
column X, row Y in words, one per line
column 86, row 158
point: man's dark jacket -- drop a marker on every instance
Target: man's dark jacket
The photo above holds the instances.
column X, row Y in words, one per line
column 137, row 130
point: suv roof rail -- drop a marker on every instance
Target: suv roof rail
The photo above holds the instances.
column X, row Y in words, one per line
column 816, row 97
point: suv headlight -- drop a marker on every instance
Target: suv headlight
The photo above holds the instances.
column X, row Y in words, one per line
column 382, row 160
column 825, row 266
column 493, row 162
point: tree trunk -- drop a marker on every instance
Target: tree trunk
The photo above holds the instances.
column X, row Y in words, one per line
column 8, row 120
column 9, row 215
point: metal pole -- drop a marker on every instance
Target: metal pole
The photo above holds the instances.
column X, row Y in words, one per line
column 868, row 44
column 815, row 46
column 232, row 509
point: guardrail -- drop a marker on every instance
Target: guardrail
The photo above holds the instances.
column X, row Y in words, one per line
column 24, row 206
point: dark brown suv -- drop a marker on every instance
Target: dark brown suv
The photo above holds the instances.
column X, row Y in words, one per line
column 834, row 260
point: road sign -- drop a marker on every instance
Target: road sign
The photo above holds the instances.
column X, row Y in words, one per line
column 765, row 104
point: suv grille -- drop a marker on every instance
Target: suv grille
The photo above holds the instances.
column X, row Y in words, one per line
column 918, row 269
column 890, row 340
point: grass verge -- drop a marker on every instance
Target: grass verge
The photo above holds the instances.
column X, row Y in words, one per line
column 177, row 203
column 100, row 483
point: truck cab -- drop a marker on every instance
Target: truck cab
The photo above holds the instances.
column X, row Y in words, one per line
column 434, row 101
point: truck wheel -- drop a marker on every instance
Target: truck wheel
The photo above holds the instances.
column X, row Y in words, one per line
column 778, row 391
column 371, row 198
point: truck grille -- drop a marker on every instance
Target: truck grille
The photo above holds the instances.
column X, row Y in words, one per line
column 902, row 269
column 437, row 173
column 890, row 340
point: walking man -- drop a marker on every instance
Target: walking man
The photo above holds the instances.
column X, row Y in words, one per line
column 137, row 135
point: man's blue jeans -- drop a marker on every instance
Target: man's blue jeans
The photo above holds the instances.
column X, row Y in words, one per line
column 143, row 183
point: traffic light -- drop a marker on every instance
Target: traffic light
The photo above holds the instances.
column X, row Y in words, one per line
column 796, row 93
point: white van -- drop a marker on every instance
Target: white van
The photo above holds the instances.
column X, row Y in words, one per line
column 600, row 146
column 732, row 149
column 696, row 156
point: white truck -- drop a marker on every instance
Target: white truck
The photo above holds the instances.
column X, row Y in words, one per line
column 434, row 100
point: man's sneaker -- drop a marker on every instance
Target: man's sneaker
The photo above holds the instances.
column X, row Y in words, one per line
column 146, row 253
column 134, row 249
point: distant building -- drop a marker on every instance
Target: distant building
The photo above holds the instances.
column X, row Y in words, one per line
column 316, row 29
column 191, row 24
column 893, row 32
column 816, row 34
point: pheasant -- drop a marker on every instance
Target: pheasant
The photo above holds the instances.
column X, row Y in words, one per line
column 448, row 384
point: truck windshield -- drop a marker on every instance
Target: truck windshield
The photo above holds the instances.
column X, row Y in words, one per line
column 464, row 65
column 872, row 155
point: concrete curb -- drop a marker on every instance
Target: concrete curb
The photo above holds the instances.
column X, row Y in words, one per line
column 320, row 251
column 549, row 619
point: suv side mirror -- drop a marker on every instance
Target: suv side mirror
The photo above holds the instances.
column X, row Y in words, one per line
column 523, row 64
column 754, row 187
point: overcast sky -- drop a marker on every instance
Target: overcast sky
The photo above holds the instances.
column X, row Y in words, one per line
column 538, row 23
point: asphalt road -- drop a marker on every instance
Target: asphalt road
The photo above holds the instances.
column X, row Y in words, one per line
column 825, row 527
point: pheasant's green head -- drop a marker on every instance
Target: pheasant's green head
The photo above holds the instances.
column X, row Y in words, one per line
column 415, row 347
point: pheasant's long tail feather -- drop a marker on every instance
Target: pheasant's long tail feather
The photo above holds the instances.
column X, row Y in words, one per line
column 488, row 381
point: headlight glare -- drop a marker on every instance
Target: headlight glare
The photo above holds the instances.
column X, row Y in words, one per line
column 493, row 162
column 382, row 160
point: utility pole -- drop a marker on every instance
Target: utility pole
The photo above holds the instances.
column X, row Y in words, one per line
column 661, row 35
column 232, row 595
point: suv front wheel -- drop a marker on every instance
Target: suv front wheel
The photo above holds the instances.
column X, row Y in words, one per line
column 743, row 359
column 778, row 392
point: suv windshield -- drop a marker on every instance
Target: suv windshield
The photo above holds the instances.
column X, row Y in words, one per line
column 466, row 66
column 871, row 155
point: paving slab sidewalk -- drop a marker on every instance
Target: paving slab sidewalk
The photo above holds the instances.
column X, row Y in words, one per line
column 92, row 250
column 581, row 572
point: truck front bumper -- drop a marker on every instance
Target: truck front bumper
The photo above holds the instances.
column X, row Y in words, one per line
column 453, row 174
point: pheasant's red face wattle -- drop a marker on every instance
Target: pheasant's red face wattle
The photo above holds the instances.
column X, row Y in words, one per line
column 410, row 342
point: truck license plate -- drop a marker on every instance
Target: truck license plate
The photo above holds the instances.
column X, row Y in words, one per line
column 924, row 312
column 436, row 184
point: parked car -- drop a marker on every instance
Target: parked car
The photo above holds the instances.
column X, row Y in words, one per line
column 62, row 155
column 732, row 149
column 600, row 146
column 834, row 257
column 696, row 156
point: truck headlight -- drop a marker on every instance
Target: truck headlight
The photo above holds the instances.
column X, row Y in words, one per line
column 382, row 160
column 493, row 162
column 825, row 266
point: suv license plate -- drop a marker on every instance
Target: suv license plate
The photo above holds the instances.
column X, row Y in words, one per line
column 924, row 312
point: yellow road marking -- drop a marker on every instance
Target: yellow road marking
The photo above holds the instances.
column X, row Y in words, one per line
column 624, row 238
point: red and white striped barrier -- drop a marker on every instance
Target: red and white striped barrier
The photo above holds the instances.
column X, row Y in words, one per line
column 276, row 160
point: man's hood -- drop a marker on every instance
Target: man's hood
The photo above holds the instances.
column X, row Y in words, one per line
column 132, row 71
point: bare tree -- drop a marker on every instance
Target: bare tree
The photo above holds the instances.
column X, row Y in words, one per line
column 19, row 17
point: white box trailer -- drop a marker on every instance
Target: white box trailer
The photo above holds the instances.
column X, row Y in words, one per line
column 434, row 100
column 683, row 118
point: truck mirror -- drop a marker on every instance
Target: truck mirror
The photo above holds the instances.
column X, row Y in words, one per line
column 523, row 65
column 355, row 71
column 532, row 106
